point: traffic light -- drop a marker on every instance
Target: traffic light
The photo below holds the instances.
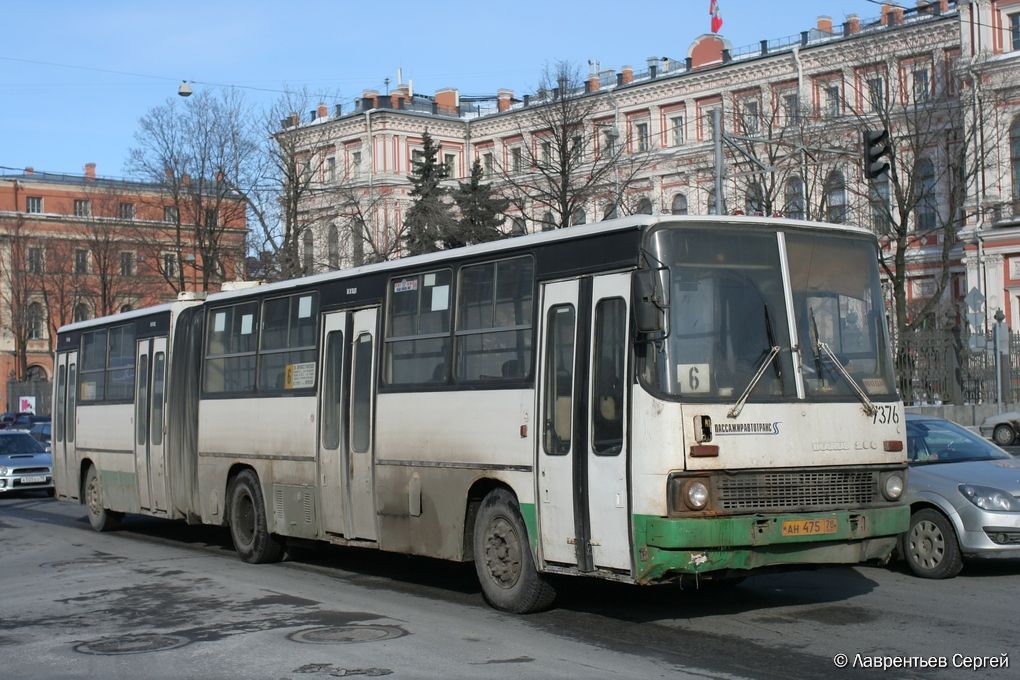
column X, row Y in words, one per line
column 876, row 151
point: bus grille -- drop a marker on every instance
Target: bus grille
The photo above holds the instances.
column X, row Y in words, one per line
column 802, row 490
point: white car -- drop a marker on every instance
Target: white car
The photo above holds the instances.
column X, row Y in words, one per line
column 25, row 464
column 1003, row 429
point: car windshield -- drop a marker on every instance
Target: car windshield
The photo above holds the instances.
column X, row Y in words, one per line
column 20, row 442
column 940, row 441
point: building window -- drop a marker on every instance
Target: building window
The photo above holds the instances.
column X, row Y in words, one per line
column 35, row 261
column 791, row 108
column 832, row 103
column 519, row 227
column 416, row 157
column 212, row 217
column 677, row 125
column 644, row 206
column 835, row 198
column 333, row 246
column 547, row 221
column 679, row 205
column 308, row 243
column 81, row 261
column 1014, row 161
column 546, row 153
column 922, row 88
column 489, row 162
column 127, row 264
column 925, row 187
column 170, row 214
column 169, row 265
column 1014, row 30
column 749, row 117
column 878, row 200
column 578, row 217
column 515, row 159
column 36, row 321
column 754, row 204
column 331, row 169
column 82, row 207
column 125, row 308
column 356, row 161
column 448, row 161
column 876, row 93
column 641, row 136
column 576, row 149
column 794, row 198
column 126, row 211
column 33, row 204
column 81, row 312
column 609, row 137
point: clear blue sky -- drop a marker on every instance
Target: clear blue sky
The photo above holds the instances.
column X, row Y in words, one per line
column 131, row 55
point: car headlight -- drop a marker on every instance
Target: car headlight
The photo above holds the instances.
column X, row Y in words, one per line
column 989, row 498
column 892, row 489
column 4, row 470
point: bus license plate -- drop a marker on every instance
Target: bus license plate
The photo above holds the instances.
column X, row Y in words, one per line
column 33, row 480
column 810, row 527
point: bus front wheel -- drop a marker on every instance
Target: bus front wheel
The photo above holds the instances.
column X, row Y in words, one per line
column 249, row 526
column 503, row 561
column 100, row 518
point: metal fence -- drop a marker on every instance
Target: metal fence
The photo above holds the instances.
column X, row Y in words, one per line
column 41, row 390
column 948, row 366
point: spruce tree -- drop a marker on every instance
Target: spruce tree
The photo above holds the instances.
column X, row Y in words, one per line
column 429, row 217
column 481, row 213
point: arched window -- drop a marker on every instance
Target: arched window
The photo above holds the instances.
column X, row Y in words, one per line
column 644, row 206
column 309, row 250
column 794, row 198
column 712, row 208
column 754, row 204
column 36, row 373
column 610, row 212
column 835, row 198
column 1014, row 161
column 81, row 312
column 878, row 199
column 547, row 221
column 520, row 227
column 125, row 308
column 36, row 321
column 579, row 217
column 333, row 243
column 679, row 206
column 924, row 188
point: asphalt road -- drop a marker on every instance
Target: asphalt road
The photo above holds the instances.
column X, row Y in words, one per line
column 161, row 600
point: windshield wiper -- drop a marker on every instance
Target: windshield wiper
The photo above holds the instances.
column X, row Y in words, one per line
column 739, row 406
column 869, row 406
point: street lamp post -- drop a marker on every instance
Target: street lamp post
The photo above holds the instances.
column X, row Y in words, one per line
column 999, row 317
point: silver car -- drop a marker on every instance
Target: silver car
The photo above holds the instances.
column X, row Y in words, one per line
column 964, row 495
column 25, row 464
column 1001, row 428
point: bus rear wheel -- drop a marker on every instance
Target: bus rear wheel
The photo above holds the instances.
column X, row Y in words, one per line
column 249, row 526
column 100, row 518
column 506, row 570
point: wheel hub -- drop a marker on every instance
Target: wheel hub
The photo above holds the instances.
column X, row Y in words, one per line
column 503, row 553
column 928, row 544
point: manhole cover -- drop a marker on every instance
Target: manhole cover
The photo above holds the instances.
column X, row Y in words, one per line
column 131, row 644
column 347, row 634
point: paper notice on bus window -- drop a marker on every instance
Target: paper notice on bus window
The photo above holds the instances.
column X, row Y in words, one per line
column 299, row 376
column 304, row 309
column 405, row 285
column 219, row 322
column 88, row 391
column 440, row 298
column 430, row 280
column 693, row 378
column 246, row 323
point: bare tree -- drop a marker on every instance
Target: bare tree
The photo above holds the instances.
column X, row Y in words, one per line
column 61, row 289
column 572, row 161
column 110, row 279
column 194, row 150
column 21, row 258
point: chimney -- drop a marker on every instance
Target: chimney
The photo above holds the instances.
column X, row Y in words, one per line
column 627, row 75
column 448, row 98
column 824, row 24
column 293, row 119
column 322, row 111
column 593, row 82
column 504, row 98
column 90, row 171
column 653, row 67
column 853, row 24
column 370, row 99
column 186, row 179
column 897, row 15
column 29, row 170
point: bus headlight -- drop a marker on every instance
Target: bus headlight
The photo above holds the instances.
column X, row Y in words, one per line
column 695, row 495
column 892, row 487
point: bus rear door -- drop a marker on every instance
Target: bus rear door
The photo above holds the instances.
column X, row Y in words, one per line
column 65, row 468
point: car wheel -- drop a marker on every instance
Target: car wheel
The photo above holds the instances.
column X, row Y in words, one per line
column 506, row 570
column 100, row 518
column 249, row 526
column 1003, row 435
column 930, row 545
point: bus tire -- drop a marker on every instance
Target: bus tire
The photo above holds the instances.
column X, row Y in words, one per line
column 249, row 527
column 100, row 517
column 506, row 569
column 930, row 545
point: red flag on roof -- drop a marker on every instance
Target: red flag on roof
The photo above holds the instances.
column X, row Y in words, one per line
column 713, row 10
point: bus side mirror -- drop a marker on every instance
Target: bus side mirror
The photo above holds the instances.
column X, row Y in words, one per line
column 651, row 303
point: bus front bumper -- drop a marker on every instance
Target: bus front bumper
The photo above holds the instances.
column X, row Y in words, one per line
column 670, row 547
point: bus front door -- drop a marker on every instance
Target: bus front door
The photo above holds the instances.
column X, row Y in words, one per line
column 150, row 398
column 583, row 506
column 361, row 418
column 65, row 467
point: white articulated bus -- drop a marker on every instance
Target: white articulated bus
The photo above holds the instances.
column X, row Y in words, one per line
column 639, row 400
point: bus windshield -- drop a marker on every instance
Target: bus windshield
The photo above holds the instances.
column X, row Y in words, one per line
column 729, row 317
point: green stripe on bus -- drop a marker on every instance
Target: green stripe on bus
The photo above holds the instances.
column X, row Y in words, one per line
column 665, row 546
column 530, row 518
